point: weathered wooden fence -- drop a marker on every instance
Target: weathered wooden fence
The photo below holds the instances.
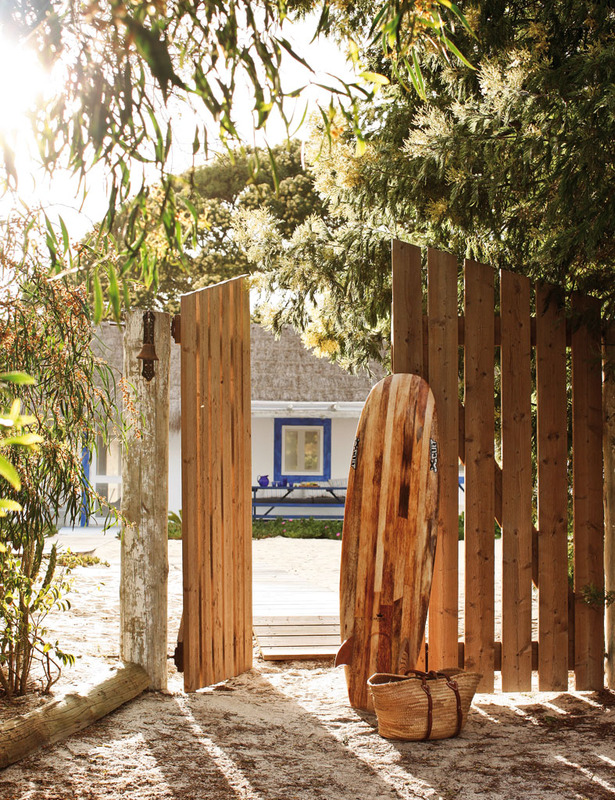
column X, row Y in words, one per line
column 217, row 526
column 508, row 357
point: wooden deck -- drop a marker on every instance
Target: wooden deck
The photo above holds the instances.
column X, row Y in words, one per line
column 294, row 620
column 297, row 638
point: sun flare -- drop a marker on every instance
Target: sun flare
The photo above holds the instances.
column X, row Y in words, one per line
column 22, row 82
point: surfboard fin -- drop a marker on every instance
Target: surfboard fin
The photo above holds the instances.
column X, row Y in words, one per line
column 344, row 654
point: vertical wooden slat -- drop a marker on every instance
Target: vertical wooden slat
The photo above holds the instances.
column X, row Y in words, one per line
column 552, row 455
column 479, row 472
column 517, row 485
column 608, row 395
column 241, row 586
column 190, row 432
column 216, row 517
column 443, row 379
column 407, row 310
column 202, row 469
column 226, row 475
column 237, row 476
column 407, row 341
column 247, row 476
column 587, row 494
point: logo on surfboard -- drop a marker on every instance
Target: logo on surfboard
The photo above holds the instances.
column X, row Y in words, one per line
column 355, row 453
column 433, row 455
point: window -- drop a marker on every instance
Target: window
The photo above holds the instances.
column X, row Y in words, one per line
column 302, row 449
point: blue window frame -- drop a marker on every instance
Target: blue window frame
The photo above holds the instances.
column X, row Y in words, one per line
column 302, row 449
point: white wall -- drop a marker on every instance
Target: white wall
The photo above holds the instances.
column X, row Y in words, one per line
column 175, row 471
column 343, row 432
column 262, row 448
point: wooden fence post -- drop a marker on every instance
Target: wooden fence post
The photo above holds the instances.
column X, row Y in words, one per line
column 609, row 497
column 145, row 468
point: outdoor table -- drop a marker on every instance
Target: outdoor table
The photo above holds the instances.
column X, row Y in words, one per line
column 268, row 498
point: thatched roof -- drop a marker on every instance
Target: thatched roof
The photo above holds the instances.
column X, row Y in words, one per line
column 281, row 370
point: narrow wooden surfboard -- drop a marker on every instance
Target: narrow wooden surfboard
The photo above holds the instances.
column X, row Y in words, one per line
column 389, row 533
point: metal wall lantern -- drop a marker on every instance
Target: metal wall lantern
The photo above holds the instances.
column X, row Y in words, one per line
column 148, row 352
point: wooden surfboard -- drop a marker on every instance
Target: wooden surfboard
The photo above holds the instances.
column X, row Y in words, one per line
column 389, row 533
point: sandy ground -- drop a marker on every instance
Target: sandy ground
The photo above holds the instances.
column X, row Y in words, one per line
column 286, row 731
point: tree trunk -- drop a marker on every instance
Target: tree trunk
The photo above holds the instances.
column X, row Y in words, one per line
column 61, row 718
column 145, row 470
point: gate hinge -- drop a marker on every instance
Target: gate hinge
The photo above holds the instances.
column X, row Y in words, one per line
column 176, row 328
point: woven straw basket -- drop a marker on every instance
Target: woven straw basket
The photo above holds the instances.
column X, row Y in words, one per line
column 422, row 705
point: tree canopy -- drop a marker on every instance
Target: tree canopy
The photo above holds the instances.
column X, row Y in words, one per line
column 124, row 68
column 510, row 163
column 218, row 195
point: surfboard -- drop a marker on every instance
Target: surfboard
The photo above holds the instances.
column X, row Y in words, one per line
column 389, row 533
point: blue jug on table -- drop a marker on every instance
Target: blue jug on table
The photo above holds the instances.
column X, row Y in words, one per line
column 263, row 480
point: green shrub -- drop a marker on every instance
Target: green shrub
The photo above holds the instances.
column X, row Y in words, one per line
column 70, row 560
column 297, row 528
column 175, row 525
column 276, row 526
column 46, row 331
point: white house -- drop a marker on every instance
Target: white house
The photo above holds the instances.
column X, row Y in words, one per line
column 305, row 412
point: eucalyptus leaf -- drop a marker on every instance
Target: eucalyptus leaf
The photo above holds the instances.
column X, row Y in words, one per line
column 18, row 377
column 9, row 473
column 24, row 440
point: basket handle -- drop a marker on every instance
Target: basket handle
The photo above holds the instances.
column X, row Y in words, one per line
column 427, row 691
column 452, row 684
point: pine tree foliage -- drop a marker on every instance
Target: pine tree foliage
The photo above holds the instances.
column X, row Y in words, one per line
column 511, row 163
column 206, row 203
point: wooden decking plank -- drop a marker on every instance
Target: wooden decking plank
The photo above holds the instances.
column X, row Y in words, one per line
column 297, row 636
column 299, row 620
column 328, row 640
column 290, row 654
column 297, row 630
column 295, row 608
column 290, row 638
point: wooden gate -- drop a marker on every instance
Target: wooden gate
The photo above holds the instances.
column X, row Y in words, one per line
column 510, row 367
column 217, row 525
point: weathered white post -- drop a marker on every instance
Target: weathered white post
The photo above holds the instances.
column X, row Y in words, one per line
column 609, row 497
column 145, row 469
